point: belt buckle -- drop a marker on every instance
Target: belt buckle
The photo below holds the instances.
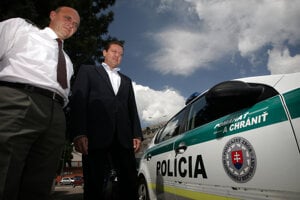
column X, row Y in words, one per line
column 57, row 97
column 54, row 96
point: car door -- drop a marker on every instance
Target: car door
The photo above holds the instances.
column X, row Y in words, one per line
column 239, row 147
column 160, row 159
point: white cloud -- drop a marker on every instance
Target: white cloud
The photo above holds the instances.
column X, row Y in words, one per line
column 224, row 28
column 280, row 61
column 183, row 51
column 157, row 106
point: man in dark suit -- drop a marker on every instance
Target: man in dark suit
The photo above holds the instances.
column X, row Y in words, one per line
column 105, row 126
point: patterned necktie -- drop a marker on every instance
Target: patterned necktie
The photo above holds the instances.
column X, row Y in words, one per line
column 61, row 66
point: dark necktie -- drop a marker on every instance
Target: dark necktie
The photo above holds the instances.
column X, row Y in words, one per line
column 61, row 66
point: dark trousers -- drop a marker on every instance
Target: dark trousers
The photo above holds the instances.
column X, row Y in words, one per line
column 32, row 137
column 96, row 167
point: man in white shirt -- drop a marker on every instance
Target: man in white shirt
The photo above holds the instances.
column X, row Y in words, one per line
column 32, row 121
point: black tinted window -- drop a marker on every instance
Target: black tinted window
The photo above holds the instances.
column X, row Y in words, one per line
column 198, row 114
column 226, row 98
column 172, row 128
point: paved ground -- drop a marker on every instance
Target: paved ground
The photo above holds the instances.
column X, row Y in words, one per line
column 67, row 193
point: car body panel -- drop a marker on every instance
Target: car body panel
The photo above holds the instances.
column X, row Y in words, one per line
column 291, row 100
column 78, row 181
column 252, row 153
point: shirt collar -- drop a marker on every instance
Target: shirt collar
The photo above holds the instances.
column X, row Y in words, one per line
column 107, row 68
column 50, row 33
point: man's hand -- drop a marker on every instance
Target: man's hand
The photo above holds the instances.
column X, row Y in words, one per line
column 136, row 144
column 81, row 144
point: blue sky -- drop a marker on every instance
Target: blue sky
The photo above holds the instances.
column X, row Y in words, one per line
column 174, row 48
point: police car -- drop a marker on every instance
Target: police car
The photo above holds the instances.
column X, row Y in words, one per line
column 238, row 140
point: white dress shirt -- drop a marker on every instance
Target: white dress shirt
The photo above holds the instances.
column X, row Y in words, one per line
column 30, row 55
column 114, row 77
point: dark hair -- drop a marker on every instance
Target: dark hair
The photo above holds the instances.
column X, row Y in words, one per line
column 117, row 42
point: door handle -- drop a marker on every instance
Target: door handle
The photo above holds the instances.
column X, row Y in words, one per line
column 181, row 148
column 148, row 157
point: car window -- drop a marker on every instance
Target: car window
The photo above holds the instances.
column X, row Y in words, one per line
column 198, row 114
column 226, row 98
column 172, row 128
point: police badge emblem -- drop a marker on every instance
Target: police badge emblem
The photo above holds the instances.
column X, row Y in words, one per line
column 239, row 159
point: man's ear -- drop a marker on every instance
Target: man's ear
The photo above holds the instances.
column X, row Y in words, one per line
column 104, row 53
column 52, row 15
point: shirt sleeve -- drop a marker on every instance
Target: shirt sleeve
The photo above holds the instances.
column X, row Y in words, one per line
column 8, row 33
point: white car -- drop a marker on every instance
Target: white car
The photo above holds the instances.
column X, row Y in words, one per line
column 238, row 140
column 66, row 181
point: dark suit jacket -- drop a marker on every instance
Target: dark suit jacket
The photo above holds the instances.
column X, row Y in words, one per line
column 100, row 114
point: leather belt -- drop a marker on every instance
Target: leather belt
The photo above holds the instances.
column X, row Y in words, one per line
column 47, row 93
